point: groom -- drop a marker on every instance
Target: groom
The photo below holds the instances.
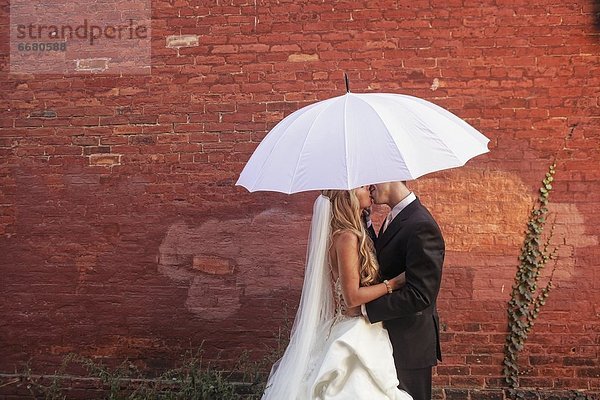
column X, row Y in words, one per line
column 409, row 241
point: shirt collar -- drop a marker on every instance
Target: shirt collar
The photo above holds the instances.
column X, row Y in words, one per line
column 402, row 204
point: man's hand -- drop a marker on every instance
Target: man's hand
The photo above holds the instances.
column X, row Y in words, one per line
column 398, row 281
column 353, row 312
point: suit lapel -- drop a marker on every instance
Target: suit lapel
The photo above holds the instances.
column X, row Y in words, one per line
column 396, row 225
column 380, row 230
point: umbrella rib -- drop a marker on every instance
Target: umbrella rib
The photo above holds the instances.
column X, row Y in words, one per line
column 304, row 144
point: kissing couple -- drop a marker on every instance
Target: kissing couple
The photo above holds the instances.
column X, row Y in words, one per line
column 367, row 325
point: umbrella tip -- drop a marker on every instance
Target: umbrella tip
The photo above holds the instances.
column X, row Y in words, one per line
column 347, row 82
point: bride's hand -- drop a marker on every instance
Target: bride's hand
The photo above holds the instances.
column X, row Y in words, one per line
column 353, row 312
column 398, row 281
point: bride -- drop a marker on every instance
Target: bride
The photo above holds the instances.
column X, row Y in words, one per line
column 332, row 355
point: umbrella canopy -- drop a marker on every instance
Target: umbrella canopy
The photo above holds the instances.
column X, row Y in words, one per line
column 359, row 139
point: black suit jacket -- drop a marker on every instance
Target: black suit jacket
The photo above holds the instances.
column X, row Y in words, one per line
column 412, row 243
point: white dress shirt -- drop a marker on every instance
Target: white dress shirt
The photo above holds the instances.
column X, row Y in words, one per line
column 400, row 206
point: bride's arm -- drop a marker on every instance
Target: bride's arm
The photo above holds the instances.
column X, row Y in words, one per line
column 346, row 247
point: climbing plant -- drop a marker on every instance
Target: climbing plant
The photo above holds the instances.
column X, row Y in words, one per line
column 526, row 298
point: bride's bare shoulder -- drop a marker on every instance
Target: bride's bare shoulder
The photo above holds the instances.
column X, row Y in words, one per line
column 345, row 238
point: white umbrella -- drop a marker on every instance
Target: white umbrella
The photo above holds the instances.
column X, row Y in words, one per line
column 359, row 139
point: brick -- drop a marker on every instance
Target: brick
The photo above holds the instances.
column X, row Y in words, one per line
column 303, row 57
column 452, row 370
column 487, row 395
column 589, row 372
column 142, row 140
column 85, row 141
column 478, row 359
column 543, row 360
column 456, row 394
column 92, row 64
column 43, row 114
column 177, row 41
column 212, row 265
column 105, row 159
column 577, row 361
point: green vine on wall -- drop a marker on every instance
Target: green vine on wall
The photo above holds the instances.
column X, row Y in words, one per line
column 526, row 299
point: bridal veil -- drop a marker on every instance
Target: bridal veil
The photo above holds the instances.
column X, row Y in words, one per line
column 315, row 312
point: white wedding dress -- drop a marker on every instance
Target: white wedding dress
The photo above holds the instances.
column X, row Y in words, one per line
column 331, row 356
column 355, row 362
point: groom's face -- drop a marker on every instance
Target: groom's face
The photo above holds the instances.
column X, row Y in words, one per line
column 378, row 193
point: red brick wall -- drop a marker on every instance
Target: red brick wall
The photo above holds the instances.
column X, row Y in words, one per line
column 122, row 234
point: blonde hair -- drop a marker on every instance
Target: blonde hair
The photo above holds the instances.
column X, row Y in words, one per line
column 346, row 215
